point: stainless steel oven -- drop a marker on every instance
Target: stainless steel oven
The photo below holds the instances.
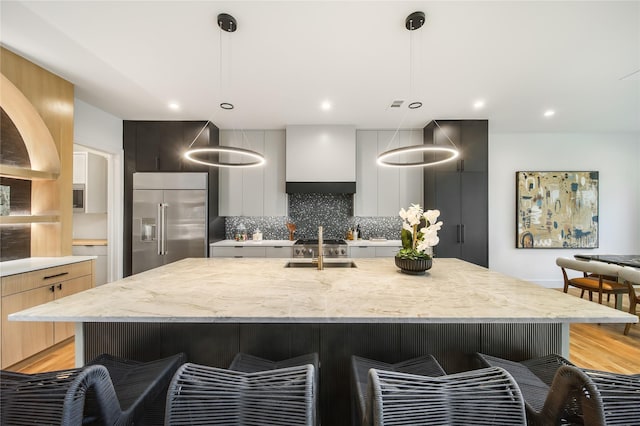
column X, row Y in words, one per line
column 330, row 248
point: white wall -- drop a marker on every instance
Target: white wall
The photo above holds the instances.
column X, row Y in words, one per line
column 96, row 129
column 615, row 156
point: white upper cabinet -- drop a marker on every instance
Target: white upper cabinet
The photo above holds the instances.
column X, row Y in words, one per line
column 79, row 168
column 383, row 191
column 253, row 191
column 366, row 196
column 90, row 170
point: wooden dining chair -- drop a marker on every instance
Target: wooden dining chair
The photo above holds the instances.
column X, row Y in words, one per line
column 631, row 278
column 598, row 277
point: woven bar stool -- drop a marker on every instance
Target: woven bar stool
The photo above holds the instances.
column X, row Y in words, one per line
column 251, row 364
column 570, row 398
column 116, row 392
column 425, row 365
column 202, row 395
column 487, row 396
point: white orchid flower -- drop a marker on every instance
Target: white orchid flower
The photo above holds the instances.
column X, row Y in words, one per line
column 426, row 236
column 436, row 226
column 431, row 216
column 430, row 237
column 413, row 214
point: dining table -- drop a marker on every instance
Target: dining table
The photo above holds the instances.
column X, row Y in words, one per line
column 632, row 260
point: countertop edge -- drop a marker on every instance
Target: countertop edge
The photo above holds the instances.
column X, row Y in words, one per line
column 341, row 320
column 20, row 266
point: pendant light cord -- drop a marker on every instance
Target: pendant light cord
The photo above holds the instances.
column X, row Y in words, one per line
column 199, row 133
column 445, row 134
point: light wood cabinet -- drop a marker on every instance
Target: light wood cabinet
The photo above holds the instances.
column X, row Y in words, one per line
column 22, row 339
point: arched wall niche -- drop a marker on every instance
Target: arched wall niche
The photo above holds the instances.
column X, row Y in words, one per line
column 38, row 141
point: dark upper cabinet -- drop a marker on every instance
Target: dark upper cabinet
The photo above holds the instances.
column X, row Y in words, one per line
column 459, row 189
column 159, row 146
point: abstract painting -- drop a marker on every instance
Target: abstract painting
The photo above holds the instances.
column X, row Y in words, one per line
column 557, row 209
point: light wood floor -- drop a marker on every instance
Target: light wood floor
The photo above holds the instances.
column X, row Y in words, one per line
column 600, row 347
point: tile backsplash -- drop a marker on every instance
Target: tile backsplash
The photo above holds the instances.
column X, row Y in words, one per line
column 308, row 211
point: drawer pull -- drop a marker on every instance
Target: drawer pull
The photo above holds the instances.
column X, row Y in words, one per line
column 61, row 274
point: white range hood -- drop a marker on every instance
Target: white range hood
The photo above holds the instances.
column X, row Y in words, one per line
column 321, row 159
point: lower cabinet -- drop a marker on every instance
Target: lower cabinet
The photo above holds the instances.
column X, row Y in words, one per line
column 362, row 251
column 23, row 339
column 244, row 251
column 102, row 262
column 20, row 339
column 373, row 251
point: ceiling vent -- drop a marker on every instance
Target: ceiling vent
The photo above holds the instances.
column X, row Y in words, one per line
column 396, row 104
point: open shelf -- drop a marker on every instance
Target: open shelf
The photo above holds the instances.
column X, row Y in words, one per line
column 26, row 219
column 28, row 174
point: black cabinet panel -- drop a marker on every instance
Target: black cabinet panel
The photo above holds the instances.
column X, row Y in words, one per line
column 448, row 185
column 474, row 218
column 459, row 189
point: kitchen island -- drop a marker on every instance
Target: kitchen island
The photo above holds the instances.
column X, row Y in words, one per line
column 213, row 308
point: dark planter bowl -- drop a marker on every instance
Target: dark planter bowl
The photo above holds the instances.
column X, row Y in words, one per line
column 413, row 267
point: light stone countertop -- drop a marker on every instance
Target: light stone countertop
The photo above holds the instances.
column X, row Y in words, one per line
column 260, row 290
column 30, row 264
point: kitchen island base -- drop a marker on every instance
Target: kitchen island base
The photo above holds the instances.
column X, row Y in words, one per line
column 215, row 344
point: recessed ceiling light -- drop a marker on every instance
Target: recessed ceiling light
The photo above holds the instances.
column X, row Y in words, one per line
column 174, row 106
column 326, row 106
column 549, row 113
column 478, row 104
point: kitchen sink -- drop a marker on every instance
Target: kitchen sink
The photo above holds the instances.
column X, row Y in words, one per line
column 333, row 263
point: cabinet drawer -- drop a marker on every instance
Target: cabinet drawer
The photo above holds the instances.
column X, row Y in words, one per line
column 21, row 339
column 387, row 251
column 238, row 251
column 30, row 280
column 285, row 252
column 362, row 251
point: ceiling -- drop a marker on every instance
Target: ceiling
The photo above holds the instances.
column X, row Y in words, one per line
column 131, row 58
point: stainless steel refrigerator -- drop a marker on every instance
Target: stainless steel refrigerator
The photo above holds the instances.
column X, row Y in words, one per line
column 169, row 218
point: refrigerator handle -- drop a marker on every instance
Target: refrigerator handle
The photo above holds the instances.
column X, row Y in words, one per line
column 164, row 229
column 160, row 229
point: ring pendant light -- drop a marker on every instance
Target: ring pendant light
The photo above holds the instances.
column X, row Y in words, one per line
column 226, row 23
column 443, row 154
